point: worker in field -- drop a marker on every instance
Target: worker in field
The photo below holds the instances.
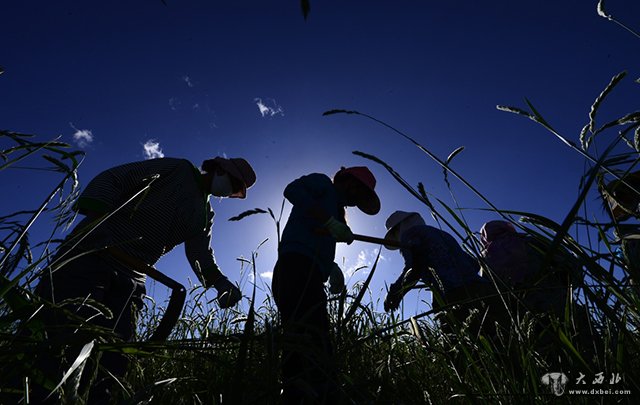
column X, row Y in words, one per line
column 622, row 199
column 305, row 262
column 536, row 284
column 433, row 256
column 517, row 261
column 135, row 213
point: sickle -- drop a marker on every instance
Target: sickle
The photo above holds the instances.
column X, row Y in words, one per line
column 176, row 301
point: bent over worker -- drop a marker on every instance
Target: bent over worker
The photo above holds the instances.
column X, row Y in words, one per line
column 305, row 261
column 140, row 211
column 433, row 256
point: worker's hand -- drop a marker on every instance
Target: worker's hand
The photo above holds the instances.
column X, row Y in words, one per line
column 394, row 296
column 336, row 280
column 339, row 230
column 228, row 293
column 210, row 276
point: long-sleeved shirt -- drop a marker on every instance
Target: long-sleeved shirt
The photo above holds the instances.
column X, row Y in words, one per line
column 175, row 209
column 427, row 247
column 303, row 233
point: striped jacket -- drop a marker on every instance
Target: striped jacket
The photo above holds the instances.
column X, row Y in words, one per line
column 173, row 210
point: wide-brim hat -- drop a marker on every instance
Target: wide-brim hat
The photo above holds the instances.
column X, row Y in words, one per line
column 394, row 222
column 238, row 168
column 371, row 204
column 494, row 229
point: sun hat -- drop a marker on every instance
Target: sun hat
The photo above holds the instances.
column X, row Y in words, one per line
column 398, row 220
column 494, row 229
column 622, row 197
column 371, row 204
column 238, row 168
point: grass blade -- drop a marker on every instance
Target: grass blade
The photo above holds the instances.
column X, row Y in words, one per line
column 77, row 363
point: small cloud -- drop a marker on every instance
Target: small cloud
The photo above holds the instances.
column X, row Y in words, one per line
column 152, row 149
column 174, row 103
column 196, row 106
column 187, row 80
column 267, row 275
column 266, row 110
column 365, row 259
column 82, row 137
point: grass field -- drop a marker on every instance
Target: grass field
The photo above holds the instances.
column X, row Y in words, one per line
column 216, row 356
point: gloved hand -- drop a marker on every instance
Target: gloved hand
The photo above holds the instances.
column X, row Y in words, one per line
column 339, row 230
column 209, row 277
column 228, row 293
column 336, row 280
column 394, row 296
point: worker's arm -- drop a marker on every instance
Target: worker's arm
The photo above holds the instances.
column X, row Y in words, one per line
column 397, row 290
column 201, row 257
column 415, row 269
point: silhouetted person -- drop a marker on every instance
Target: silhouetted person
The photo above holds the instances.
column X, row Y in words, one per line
column 173, row 210
column 534, row 281
column 622, row 198
column 517, row 260
column 305, row 261
column 433, row 256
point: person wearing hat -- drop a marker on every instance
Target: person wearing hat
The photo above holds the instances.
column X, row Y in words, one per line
column 622, row 197
column 434, row 257
column 305, row 262
column 532, row 280
column 517, row 262
column 140, row 211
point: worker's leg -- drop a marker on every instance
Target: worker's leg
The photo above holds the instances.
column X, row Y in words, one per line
column 73, row 288
column 299, row 294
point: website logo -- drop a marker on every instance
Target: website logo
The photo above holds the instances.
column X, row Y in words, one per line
column 556, row 382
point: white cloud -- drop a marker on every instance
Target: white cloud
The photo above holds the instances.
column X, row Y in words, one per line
column 365, row 259
column 152, row 149
column 174, row 103
column 267, row 274
column 187, row 80
column 82, row 137
column 266, row 110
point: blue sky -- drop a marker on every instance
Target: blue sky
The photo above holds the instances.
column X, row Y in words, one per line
column 196, row 79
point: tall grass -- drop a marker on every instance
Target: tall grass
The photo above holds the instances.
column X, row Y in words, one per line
column 231, row 356
column 22, row 261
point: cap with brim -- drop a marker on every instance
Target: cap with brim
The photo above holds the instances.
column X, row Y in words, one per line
column 237, row 168
column 371, row 204
column 407, row 219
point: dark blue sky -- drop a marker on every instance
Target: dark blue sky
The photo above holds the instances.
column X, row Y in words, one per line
column 203, row 78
